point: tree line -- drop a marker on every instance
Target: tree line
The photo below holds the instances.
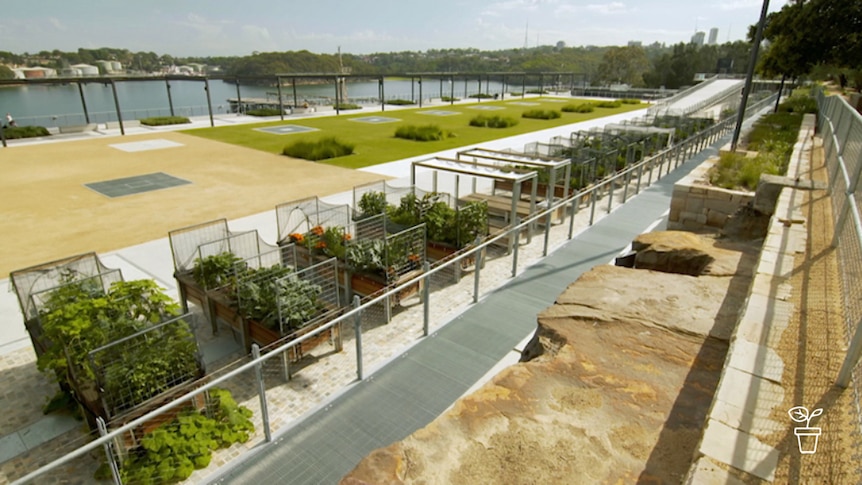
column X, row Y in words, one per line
column 806, row 37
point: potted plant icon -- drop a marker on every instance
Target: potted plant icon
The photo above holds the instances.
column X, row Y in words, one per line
column 806, row 436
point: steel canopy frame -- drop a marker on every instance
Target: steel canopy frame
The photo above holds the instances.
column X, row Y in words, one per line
column 552, row 164
column 484, row 170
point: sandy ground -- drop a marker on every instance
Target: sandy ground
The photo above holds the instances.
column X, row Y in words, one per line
column 46, row 212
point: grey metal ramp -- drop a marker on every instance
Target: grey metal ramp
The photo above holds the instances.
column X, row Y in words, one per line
column 418, row 386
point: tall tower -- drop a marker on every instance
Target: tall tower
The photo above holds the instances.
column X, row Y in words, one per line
column 713, row 36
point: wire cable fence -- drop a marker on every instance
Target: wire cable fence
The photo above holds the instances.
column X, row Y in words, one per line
column 840, row 127
column 276, row 401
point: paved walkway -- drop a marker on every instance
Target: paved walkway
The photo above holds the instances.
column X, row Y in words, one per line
column 414, row 389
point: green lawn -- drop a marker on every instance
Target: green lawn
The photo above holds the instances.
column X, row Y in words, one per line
column 376, row 143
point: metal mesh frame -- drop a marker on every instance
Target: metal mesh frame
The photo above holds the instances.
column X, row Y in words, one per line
column 185, row 241
column 37, row 279
column 393, row 195
column 301, row 216
column 402, row 252
column 556, row 169
column 324, row 276
column 103, row 281
column 245, row 246
column 115, row 365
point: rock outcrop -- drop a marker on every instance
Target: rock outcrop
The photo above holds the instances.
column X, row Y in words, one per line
column 614, row 388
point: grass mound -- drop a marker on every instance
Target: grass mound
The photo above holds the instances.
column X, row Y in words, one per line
column 422, row 133
column 16, row 132
column 449, row 99
column 541, row 114
column 630, row 101
column 609, row 104
column 164, row 120
column 346, row 106
column 483, row 121
column 400, row 102
column 322, row 149
column 482, row 96
column 579, row 108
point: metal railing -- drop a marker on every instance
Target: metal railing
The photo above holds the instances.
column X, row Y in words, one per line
column 258, row 376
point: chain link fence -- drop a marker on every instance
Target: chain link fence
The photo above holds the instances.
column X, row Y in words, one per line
column 840, row 127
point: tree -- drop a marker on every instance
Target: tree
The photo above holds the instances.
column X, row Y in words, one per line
column 624, row 65
column 6, row 73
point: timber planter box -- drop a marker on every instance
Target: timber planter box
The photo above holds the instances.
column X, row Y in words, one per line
column 365, row 284
column 264, row 336
column 440, row 251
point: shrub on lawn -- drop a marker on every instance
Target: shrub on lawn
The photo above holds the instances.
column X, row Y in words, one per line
column 263, row 112
column 495, row 121
column 798, row 104
column 318, row 150
column 579, row 108
column 449, row 99
column 16, row 132
column 537, row 91
column 516, row 93
column 422, row 133
column 541, row 114
column 630, row 101
column 482, row 96
column 400, row 102
column 164, row 120
column 609, row 104
column 346, row 106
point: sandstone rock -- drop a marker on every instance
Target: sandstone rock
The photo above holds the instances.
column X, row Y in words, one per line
column 687, row 253
column 614, row 388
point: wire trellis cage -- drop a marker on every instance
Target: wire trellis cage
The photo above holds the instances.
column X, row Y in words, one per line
column 301, row 217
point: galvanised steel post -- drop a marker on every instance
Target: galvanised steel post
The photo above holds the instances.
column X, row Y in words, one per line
column 640, row 174
column 84, row 101
column 238, row 99
column 547, row 233
column 109, row 452
column 280, row 100
column 293, row 87
column 575, row 204
column 516, row 230
column 382, row 96
column 209, row 101
column 170, row 98
column 117, row 106
column 426, row 299
column 451, row 90
column 477, row 270
column 592, row 206
column 746, row 90
column 357, row 327
column 261, row 392
column 611, row 184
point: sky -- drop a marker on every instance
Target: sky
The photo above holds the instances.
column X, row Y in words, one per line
column 240, row 27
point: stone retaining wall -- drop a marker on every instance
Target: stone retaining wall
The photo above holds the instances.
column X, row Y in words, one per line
column 750, row 386
column 697, row 205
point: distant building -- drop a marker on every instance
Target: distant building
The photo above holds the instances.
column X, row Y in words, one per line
column 110, row 67
column 85, row 69
column 697, row 38
column 713, row 36
column 34, row 72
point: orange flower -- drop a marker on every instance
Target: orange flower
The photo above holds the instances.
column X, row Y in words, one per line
column 297, row 238
column 347, row 237
column 320, row 245
column 317, row 230
column 414, row 258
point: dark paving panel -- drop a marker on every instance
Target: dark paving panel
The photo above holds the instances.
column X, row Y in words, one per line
column 286, row 129
column 136, row 185
column 375, row 119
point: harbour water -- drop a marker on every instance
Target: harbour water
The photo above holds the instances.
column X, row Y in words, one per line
column 60, row 104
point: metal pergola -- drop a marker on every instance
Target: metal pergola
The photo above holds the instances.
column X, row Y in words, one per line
column 483, row 170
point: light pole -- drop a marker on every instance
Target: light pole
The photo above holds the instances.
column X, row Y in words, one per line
column 747, row 89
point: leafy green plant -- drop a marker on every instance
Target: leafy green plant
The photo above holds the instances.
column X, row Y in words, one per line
column 422, row 133
column 609, row 104
column 472, row 222
column 630, row 101
column 164, row 120
column 541, row 114
column 263, row 112
column 440, row 223
column 322, row 149
column 400, row 102
column 258, row 294
column 367, row 256
column 496, row 121
column 372, row 203
column 579, row 108
column 481, row 96
column 449, row 99
column 17, row 132
column 172, row 452
column 346, row 106
column 79, row 317
column 537, row 91
column 217, row 270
